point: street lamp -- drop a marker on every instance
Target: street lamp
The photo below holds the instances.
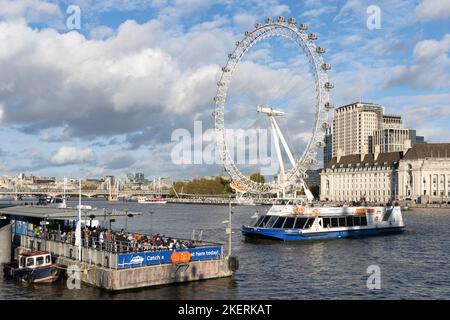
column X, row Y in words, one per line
column 128, row 215
column 228, row 230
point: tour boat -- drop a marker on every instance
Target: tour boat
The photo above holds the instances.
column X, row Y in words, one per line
column 33, row 267
column 287, row 221
column 152, row 200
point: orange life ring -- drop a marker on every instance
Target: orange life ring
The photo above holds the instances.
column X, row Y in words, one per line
column 315, row 212
column 180, row 257
column 299, row 210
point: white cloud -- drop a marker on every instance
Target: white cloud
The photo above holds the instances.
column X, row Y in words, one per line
column 432, row 10
column 31, row 11
column 430, row 68
column 71, row 155
column 313, row 13
column 101, row 32
column 134, row 77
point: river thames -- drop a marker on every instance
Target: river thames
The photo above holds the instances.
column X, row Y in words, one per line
column 414, row 265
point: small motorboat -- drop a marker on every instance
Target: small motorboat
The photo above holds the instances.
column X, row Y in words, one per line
column 33, row 267
column 158, row 200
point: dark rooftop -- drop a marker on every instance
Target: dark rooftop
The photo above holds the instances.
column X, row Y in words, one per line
column 353, row 159
column 418, row 151
column 428, row 150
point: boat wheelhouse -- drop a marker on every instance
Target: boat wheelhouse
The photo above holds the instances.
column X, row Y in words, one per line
column 33, row 267
column 287, row 220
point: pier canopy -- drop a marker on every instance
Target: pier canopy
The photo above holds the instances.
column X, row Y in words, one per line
column 52, row 213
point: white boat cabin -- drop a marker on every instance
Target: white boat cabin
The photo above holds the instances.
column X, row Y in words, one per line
column 34, row 259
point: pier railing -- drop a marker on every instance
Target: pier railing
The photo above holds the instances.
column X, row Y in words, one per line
column 117, row 254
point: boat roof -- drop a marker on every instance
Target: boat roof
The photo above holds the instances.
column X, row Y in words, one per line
column 33, row 253
column 52, row 213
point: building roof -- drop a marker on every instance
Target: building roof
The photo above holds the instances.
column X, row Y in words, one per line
column 353, row 159
column 44, row 212
column 361, row 103
column 428, row 150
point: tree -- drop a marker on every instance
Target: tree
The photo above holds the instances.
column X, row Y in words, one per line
column 257, row 177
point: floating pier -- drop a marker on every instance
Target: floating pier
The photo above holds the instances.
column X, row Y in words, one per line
column 113, row 266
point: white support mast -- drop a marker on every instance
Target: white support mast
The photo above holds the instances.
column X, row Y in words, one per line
column 277, row 137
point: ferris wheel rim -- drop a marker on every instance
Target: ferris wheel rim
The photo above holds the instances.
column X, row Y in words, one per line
column 322, row 103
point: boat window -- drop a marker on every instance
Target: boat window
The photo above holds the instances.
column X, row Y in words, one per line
column 39, row 261
column 271, row 221
column 47, row 259
column 309, row 223
column 349, row 221
column 300, row 223
column 326, row 223
column 334, row 222
column 342, row 222
column 289, row 223
column 356, row 221
column 22, row 261
column 258, row 222
column 364, row 221
column 279, row 222
column 30, row 262
column 264, row 221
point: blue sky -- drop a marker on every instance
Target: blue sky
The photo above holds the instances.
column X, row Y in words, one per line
column 105, row 99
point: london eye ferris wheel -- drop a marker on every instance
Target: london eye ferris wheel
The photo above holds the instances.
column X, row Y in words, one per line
column 293, row 178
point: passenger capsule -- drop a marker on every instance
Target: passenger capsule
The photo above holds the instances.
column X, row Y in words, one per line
column 226, row 69
column 269, row 21
column 281, row 19
column 326, row 66
column 231, row 56
column 258, row 25
column 320, row 50
column 325, row 125
column 248, row 33
column 303, row 26
column 321, row 144
column 329, row 85
column 292, row 21
column 329, row 105
column 312, row 36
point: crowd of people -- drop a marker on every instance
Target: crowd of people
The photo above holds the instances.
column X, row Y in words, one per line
column 119, row 241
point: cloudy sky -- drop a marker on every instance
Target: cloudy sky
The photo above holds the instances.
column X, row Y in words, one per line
column 105, row 98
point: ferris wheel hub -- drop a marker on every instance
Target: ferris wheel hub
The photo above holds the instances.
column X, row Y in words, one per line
column 271, row 112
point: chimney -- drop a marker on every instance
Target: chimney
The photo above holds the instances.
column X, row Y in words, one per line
column 376, row 152
column 406, row 145
column 338, row 154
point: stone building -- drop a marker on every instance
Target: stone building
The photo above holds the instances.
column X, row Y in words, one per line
column 420, row 173
column 424, row 173
column 356, row 177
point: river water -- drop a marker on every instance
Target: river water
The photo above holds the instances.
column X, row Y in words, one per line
column 413, row 265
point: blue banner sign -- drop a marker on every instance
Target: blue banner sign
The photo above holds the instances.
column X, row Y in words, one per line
column 210, row 253
column 130, row 260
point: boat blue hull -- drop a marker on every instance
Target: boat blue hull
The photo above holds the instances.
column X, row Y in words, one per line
column 296, row 235
column 36, row 275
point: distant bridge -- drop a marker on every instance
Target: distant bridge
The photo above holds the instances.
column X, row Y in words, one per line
column 111, row 195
